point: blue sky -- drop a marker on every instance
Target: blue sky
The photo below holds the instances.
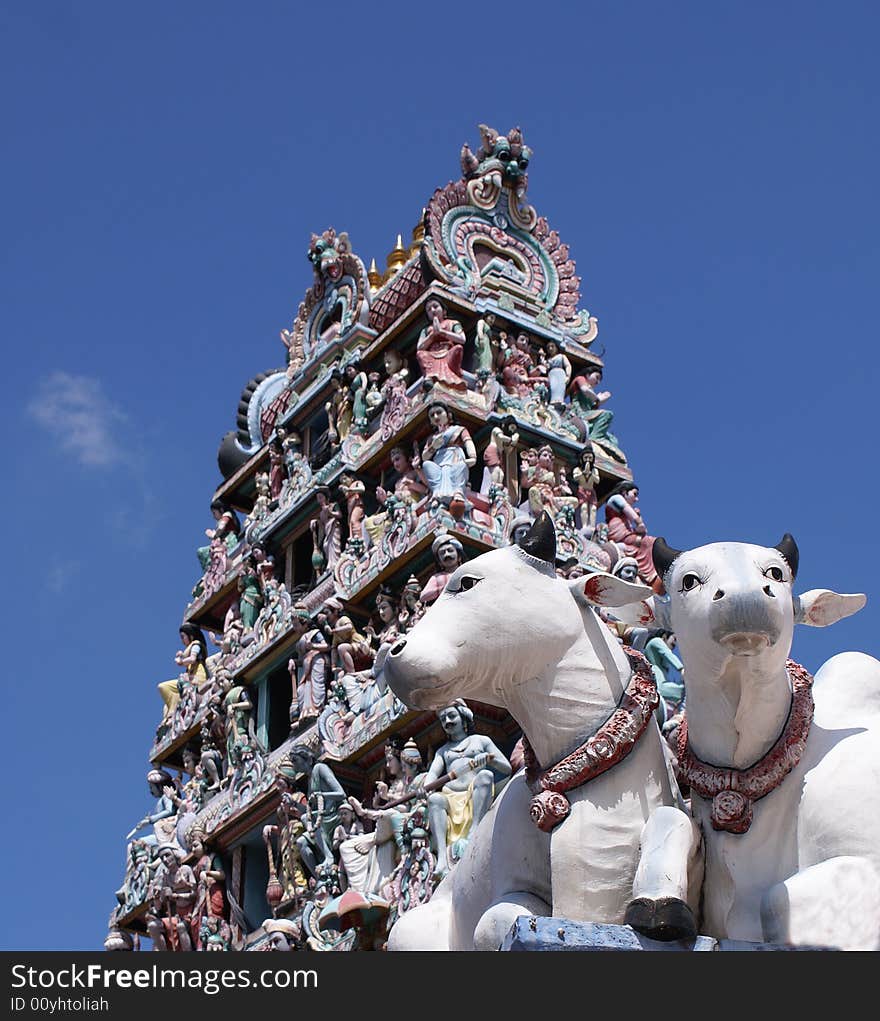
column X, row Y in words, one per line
column 712, row 167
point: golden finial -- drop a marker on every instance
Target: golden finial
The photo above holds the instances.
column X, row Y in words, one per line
column 374, row 276
column 397, row 257
column 418, row 236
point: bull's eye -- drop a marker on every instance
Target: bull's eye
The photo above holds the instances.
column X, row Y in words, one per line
column 467, row 582
column 690, row 581
column 774, row 572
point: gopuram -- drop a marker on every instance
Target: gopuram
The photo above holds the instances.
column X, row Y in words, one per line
column 447, row 407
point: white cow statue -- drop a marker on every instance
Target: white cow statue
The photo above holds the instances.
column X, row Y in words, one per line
column 784, row 770
column 563, row 839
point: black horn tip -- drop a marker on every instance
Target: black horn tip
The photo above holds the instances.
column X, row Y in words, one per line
column 663, row 556
column 788, row 548
column 541, row 540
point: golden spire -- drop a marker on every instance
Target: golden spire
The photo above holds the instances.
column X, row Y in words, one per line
column 397, row 257
column 418, row 236
column 374, row 276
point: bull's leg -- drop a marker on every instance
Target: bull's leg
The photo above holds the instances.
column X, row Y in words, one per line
column 835, row 903
column 438, row 821
column 669, row 846
column 496, row 922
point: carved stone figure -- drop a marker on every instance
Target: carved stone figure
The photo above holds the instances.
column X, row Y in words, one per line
column 163, row 817
column 395, row 403
column 172, row 900
column 285, row 864
column 408, row 489
column 587, row 478
column 440, row 348
column 321, row 817
column 326, row 527
column 350, row 651
column 310, row 678
column 353, row 490
column 558, row 372
column 210, row 879
column 484, row 347
column 448, row 555
column 357, row 383
column 192, row 657
column 226, row 535
column 587, row 403
column 412, row 609
column 472, row 764
column 627, row 529
column 240, row 729
column 447, row 456
column 500, row 457
column 277, row 468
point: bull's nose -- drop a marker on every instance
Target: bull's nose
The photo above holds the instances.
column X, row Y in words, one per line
column 398, row 648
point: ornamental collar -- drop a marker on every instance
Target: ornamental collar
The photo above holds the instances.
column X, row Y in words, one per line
column 611, row 743
column 733, row 791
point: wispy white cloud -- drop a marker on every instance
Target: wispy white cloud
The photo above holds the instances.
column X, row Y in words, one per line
column 61, row 574
column 80, row 416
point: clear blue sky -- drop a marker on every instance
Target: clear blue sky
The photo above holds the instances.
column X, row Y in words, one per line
column 713, row 168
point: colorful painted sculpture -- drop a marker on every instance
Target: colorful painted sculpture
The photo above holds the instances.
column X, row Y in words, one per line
column 448, row 555
column 309, row 676
column 326, row 527
column 501, row 458
column 627, row 529
column 192, row 657
column 170, row 921
column 321, row 817
column 558, row 372
column 440, row 348
column 448, row 455
column 471, row 764
column 287, row 877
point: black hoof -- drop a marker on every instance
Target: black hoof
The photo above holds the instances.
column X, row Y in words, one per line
column 665, row 919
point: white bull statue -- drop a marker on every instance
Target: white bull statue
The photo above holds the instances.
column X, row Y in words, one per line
column 784, row 770
column 563, row 839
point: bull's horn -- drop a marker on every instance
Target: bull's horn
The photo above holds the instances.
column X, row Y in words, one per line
column 663, row 556
column 788, row 548
column 541, row 540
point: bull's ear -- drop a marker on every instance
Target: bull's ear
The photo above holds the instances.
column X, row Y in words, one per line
column 600, row 589
column 541, row 540
column 820, row 607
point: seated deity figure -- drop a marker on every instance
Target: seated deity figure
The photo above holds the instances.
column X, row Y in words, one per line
column 163, row 818
column 440, row 348
column 193, row 658
column 456, row 809
column 409, row 488
column 448, row 455
column 448, row 555
column 627, row 529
